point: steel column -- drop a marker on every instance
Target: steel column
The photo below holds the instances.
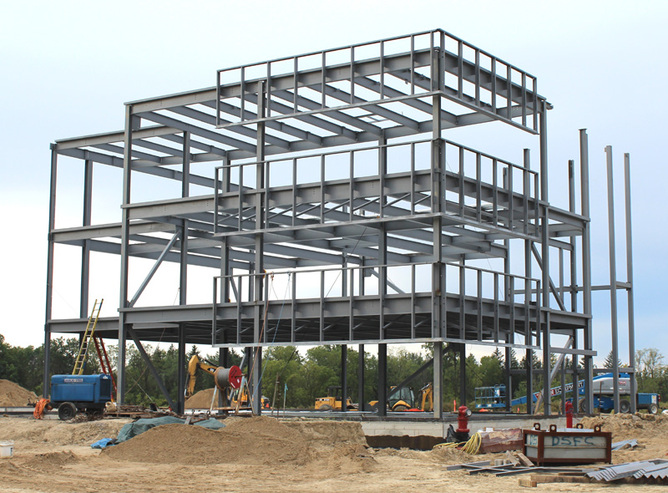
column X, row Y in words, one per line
column 382, row 380
column 259, row 280
column 344, row 377
column 85, row 249
column 613, row 277
column 629, row 278
column 360, row 376
column 131, row 124
column 49, row 272
column 545, row 254
column 586, row 270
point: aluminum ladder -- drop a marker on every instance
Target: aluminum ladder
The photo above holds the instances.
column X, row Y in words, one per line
column 80, row 362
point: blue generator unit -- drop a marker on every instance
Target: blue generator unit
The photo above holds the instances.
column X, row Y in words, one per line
column 74, row 393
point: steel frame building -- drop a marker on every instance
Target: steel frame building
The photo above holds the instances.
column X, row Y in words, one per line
column 332, row 175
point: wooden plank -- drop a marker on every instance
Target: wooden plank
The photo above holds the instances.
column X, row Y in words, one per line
column 527, row 483
column 558, row 478
column 524, row 460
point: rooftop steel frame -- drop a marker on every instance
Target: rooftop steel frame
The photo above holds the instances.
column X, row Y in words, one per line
column 331, row 174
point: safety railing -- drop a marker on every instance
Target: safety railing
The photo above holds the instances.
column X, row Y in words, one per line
column 379, row 71
column 489, row 304
column 344, row 186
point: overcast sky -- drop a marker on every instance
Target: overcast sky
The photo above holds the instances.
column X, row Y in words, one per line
column 68, row 67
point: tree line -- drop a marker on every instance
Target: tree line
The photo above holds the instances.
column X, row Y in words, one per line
column 296, row 378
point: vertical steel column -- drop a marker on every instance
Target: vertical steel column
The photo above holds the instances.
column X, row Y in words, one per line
column 573, row 282
column 382, row 380
column 131, row 123
column 85, row 249
column 462, row 375
column 545, row 253
column 49, row 271
column 344, row 377
column 259, row 280
column 224, row 256
column 586, row 270
column 382, row 237
column 360, row 376
column 183, row 274
column 613, row 276
column 508, row 375
column 438, row 310
column 629, row 279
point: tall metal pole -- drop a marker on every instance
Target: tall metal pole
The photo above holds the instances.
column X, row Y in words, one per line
column 131, row 123
column 259, row 280
column 613, row 277
column 49, row 271
column 344, row 377
column 586, row 269
column 573, row 282
column 183, row 275
column 85, row 250
column 382, row 380
column 360, row 375
column 545, row 240
column 439, row 315
column 629, row 279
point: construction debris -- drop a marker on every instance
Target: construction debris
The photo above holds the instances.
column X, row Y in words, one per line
column 500, row 440
column 624, row 444
column 648, row 469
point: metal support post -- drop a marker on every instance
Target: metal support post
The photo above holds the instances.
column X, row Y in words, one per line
column 382, row 380
column 462, row 375
column 49, row 272
column 259, row 280
column 344, row 377
column 438, row 380
column 586, row 271
column 629, row 279
column 360, row 377
column 545, row 254
column 85, row 249
column 183, row 273
column 613, row 277
column 131, row 123
column 438, row 186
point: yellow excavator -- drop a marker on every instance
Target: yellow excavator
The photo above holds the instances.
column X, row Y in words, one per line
column 404, row 399
column 229, row 381
column 333, row 400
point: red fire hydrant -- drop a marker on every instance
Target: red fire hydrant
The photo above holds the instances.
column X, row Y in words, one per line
column 463, row 420
column 569, row 414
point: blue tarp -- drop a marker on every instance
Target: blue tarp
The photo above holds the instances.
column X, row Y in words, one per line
column 141, row 425
column 104, row 443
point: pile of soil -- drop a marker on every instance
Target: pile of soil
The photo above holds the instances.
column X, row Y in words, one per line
column 648, row 429
column 58, row 432
column 201, row 400
column 628, row 426
column 13, row 395
column 258, row 440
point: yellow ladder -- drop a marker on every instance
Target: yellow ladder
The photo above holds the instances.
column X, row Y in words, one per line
column 80, row 362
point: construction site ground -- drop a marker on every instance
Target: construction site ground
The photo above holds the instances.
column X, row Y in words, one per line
column 264, row 454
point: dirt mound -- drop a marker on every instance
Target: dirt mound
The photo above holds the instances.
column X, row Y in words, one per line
column 627, row 426
column 53, row 459
column 324, row 434
column 251, row 441
column 201, row 400
column 13, row 395
column 257, row 440
column 58, row 432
